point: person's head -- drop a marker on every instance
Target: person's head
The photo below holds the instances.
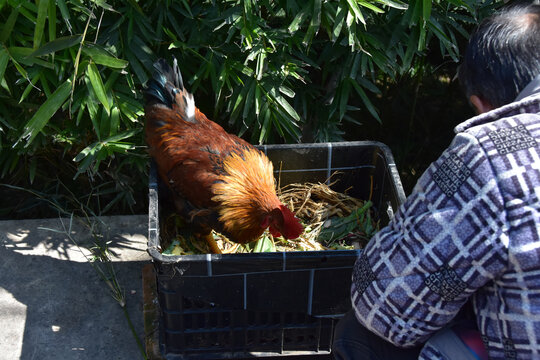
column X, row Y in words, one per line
column 502, row 57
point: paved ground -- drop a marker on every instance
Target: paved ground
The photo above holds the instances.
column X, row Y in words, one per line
column 53, row 304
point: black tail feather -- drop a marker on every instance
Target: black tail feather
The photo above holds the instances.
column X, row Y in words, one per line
column 164, row 81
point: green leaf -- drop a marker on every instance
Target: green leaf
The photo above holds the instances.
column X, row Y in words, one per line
column 394, row 4
column 52, row 20
column 59, row 44
column 92, row 149
column 121, row 136
column 103, row 57
column 368, row 85
column 371, row 7
column 136, row 67
column 239, row 100
column 4, row 58
column 103, row 4
column 299, row 19
column 367, row 102
column 20, row 69
column 97, row 85
column 339, row 21
column 344, row 97
column 356, row 11
column 265, row 114
column 29, row 87
column 260, row 65
column 416, row 12
column 284, row 104
column 24, row 56
column 248, row 106
column 264, row 244
column 65, row 13
column 114, row 121
column 426, row 13
column 422, row 39
column 258, row 99
column 44, row 113
column 40, row 22
column 32, row 170
column 286, row 91
column 315, row 23
column 8, row 26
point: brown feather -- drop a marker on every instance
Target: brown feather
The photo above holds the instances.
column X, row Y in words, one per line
column 218, row 180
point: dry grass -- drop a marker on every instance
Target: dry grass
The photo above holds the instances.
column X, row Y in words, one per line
column 318, row 207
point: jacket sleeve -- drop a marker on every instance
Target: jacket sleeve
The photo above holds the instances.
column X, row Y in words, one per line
column 447, row 240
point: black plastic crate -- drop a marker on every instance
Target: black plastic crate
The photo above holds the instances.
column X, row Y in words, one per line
column 269, row 304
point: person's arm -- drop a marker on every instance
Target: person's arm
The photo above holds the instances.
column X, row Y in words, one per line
column 444, row 243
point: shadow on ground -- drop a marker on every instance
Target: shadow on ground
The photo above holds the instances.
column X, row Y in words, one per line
column 53, row 304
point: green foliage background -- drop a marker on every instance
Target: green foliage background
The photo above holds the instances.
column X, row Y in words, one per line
column 272, row 71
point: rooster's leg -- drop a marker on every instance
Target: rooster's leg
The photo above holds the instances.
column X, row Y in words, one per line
column 214, row 248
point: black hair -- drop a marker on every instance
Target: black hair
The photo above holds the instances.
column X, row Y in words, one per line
column 503, row 54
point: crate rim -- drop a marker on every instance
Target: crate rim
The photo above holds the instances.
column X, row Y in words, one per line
column 153, row 228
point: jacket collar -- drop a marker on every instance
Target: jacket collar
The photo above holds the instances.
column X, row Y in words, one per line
column 529, row 95
column 532, row 88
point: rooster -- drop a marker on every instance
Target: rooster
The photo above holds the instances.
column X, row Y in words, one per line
column 218, row 180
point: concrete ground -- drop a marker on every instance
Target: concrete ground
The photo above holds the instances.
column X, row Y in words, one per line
column 54, row 305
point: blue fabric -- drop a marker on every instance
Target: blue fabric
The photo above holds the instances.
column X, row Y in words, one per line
column 470, row 230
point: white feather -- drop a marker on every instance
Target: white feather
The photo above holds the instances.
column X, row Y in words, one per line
column 190, row 106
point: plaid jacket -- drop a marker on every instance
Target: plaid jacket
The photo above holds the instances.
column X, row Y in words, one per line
column 470, row 228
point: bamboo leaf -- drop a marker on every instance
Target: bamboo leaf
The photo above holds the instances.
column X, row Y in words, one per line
column 339, row 21
column 40, row 22
column 114, row 121
column 8, row 26
column 96, row 151
column 97, row 85
column 52, row 20
column 103, row 57
column 396, row 4
column 44, row 113
column 356, row 11
column 57, row 45
column 90, row 150
column 315, row 23
column 239, row 100
column 65, row 13
column 299, row 19
column 121, row 136
column 416, row 12
column 371, row 7
column 32, row 170
column 286, row 91
column 366, row 101
column 265, row 114
column 422, row 39
column 426, row 13
column 344, row 97
column 4, row 58
column 248, row 105
column 136, row 67
column 257, row 99
column 29, row 87
column 284, row 104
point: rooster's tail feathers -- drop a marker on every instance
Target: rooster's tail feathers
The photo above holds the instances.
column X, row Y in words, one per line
column 164, row 86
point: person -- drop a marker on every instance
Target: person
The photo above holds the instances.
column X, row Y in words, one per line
column 456, row 272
